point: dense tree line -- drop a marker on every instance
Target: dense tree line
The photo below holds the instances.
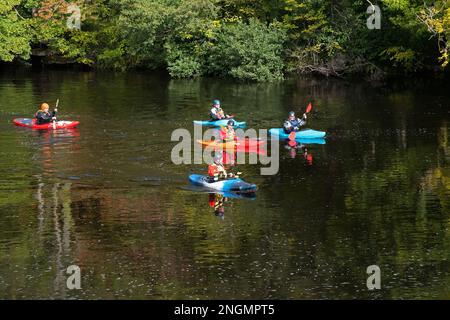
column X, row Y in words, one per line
column 245, row 39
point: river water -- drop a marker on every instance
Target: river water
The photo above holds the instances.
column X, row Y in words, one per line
column 107, row 197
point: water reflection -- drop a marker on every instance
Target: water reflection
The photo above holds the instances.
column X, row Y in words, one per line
column 217, row 201
column 108, row 198
column 302, row 147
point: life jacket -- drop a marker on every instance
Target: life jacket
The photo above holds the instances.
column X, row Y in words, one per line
column 296, row 122
column 217, row 112
column 42, row 117
column 228, row 134
column 40, row 111
column 213, row 169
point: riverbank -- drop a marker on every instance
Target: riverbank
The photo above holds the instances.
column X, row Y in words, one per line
column 246, row 40
column 437, row 75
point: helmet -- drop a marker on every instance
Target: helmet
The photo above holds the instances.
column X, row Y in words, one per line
column 218, row 159
column 230, row 123
column 291, row 114
column 44, row 106
column 216, row 102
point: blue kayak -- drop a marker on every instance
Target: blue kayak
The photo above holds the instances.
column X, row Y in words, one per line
column 219, row 123
column 231, row 185
column 311, row 141
column 302, row 134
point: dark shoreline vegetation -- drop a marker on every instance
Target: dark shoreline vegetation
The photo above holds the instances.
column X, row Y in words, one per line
column 256, row 40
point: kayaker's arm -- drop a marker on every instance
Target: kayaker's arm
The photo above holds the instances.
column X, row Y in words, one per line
column 302, row 121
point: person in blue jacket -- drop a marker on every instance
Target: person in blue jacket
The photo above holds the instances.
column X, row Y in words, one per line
column 43, row 115
column 292, row 123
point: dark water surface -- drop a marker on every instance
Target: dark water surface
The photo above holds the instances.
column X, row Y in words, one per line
column 107, row 197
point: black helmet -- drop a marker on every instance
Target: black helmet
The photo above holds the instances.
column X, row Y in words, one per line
column 230, row 123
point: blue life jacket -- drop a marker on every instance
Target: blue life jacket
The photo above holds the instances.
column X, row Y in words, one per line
column 296, row 122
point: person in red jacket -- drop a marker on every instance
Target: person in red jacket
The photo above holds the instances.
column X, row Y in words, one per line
column 216, row 170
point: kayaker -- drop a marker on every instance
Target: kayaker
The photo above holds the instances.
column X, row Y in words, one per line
column 43, row 116
column 217, row 169
column 217, row 112
column 227, row 133
column 292, row 123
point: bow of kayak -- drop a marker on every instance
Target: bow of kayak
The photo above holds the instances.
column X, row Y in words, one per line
column 31, row 123
column 302, row 134
column 227, row 185
column 219, row 123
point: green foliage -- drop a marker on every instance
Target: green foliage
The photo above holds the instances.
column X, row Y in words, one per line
column 245, row 39
column 437, row 20
column 252, row 51
column 401, row 56
column 14, row 32
column 181, row 64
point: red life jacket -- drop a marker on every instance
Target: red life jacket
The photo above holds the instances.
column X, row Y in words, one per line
column 213, row 170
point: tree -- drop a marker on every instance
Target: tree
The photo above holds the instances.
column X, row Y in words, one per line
column 249, row 51
column 437, row 20
column 14, row 32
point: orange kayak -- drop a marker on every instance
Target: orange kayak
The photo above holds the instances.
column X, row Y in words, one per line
column 244, row 144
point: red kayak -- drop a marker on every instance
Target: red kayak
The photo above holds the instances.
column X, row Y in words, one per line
column 31, row 123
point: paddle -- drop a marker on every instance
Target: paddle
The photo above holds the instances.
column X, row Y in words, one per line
column 54, row 120
column 237, row 174
column 308, row 109
column 229, row 175
column 291, row 138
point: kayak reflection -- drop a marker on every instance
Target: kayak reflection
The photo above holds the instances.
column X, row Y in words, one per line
column 300, row 146
column 57, row 134
column 217, row 201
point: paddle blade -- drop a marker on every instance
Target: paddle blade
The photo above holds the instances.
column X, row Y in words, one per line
column 309, row 107
column 212, row 200
column 292, row 136
column 309, row 159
